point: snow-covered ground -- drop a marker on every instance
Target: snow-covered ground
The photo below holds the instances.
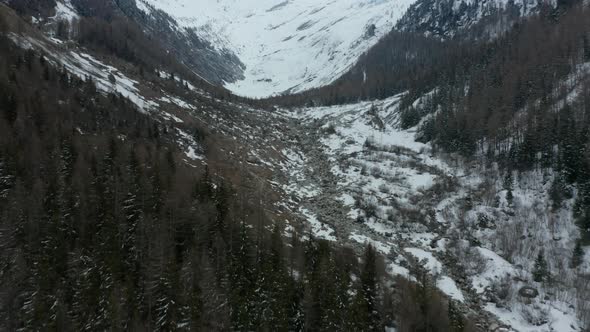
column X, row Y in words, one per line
column 451, row 218
column 289, row 45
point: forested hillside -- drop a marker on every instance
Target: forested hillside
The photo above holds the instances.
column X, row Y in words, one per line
column 106, row 227
column 442, row 183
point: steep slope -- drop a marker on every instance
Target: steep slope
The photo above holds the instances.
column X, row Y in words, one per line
column 215, row 65
column 475, row 18
column 289, row 46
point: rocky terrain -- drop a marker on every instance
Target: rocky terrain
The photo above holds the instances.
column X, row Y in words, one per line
column 355, row 179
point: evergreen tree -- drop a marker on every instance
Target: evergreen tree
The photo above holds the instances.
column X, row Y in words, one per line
column 276, row 285
column 508, row 185
column 578, row 255
column 540, row 272
column 6, row 179
column 166, row 315
column 456, row 322
column 195, row 302
column 8, row 104
column 132, row 209
column 132, row 214
column 582, row 210
column 365, row 307
column 241, row 279
column 557, row 192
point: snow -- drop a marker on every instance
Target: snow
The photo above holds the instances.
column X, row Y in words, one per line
column 449, row 287
column 431, row 263
column 190, row 145
column 65, row 11
column 558, row 321
column 292, row 45
column 496, row 268
column 84, row 65
column 177, row 101
column 395, row 269
column 381, row 247
column 384, row 176
column 319, row 230
column 444, row 283
column 298, row 184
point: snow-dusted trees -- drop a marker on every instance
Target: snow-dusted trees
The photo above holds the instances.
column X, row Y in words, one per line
column 132, row 209
column 365, row 309
column 540, row 271
column 102, row 229
column 6, row 179
column 577, row 255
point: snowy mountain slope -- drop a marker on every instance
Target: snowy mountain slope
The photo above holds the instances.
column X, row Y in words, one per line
column 291, row 45
column 447, row 18
column 213, row 64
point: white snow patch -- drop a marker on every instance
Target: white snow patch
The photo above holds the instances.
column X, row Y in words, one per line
column 449, row 287
column 381, row 247
column 431, row 263
column 319, row 230
column 64, row 10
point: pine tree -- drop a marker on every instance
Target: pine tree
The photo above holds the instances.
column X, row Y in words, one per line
column 86, row 309
column 269, row 309
column 195, row 303
column 67, row 198
column 365, row 311
column 276, row 285
column 222, row 195
column 578, row 255
column 241, row 278
column 132, row 209
column 8, row 103
column 7, row 180
column 132, row 213
column 327, row 295
column 540, row 272
column 556, row 193
column 156, row 202
column 166, row 305
column 508, row 184
column 456, row 322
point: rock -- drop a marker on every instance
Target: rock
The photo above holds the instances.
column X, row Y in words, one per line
column 528, row 292
column 253, row 160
